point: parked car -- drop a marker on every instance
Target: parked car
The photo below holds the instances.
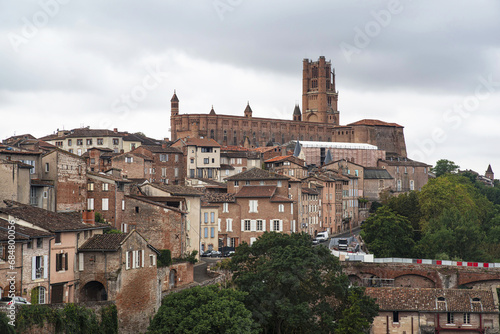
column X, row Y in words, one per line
column 215, row 253
column 17, row 300
column 207, row 253
column 315, row 241
column 322, row 236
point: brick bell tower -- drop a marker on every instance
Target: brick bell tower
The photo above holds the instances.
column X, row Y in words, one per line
column 174, row 111
column 319, row 97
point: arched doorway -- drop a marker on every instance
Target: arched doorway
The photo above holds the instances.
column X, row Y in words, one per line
column 172, row 278
column 38, row 295
column 93, row 291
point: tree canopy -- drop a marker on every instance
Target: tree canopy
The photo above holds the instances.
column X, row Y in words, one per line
column 203, row 310
column 444, row 166
column 388, row 234
column 296, row 288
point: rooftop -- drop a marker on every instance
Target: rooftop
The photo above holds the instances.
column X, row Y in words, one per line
column 374, row 122
column 428, row 300
column 256, row 191
column 257, row 174
column 48, row 220
column 338, row 145
column 377, row 173
column 104, row 242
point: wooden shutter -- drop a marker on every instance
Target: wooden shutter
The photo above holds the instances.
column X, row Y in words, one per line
column 80, row 261
column 253, row 225
column 242, row 225
column 58, row 262
column 127, row 260
column 33, row 268
column 263, row 225
column 142, row 252
column 45, row 266
column 66, row 261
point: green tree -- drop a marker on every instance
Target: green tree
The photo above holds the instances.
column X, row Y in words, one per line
column 296, row 288
column 444, row 166
column 408, row 205
column 452, row 191
column 453, row 235
column 388, row 234
column 203, row 310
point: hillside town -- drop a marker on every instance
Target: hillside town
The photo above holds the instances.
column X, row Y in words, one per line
column 93, row 211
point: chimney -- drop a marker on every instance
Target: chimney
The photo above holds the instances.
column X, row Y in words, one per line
column 115, row 130
column 164, row 145
column 166, row 139
column 88, row 217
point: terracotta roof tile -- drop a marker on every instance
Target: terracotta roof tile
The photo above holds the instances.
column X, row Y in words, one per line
column 48, row 220
column 177, row 190
column 281, row 199
column 219, row 197
column 160, row 149
column 256, row 191
column 278, row 158
column 104, row 242
column 257, row 174
column 207, row 142
column 22, row 232
column 374, row 122
column 426, row 299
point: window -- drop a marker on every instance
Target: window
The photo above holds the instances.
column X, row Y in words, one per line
column 236, row 184
column 61, row 261
column 90, row 204
column 247, row 225
column 253, row 205
column 39, row 243
column 129, row 160
column 212, row 217
column 89, row 141
column 212, row 232
column 232, row 242
column 176, row 172
column 192, row 160
column 279, row 183
column 39, row 267
column 105, row 186
column 467, row 318
column 163, row 157
column 260, row 226
column 70, row 150
column 58, row 238
column 281, row 208
column 397, row 169
column 206, row 232
column 412, row 185
column 276, row 225
column 205, row 215
column 29, row 245
column 229, row 225
column 79, row 142
column 395, row 316
column 116, row 141
column 100, row 141
column 191, row 173
column 449, row 318
column 238, row 161
column 176, row 158
column 105, row 204
column 70, row 142
column 399, row 185
column 356, row 172
column 206, row 149
column 152, row 260
column 225, row 207
column 46, row 167
column 90, row 186
column 163, row 172
column 206, row 161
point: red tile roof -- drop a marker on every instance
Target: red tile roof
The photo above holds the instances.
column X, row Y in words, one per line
column 281, row 199
column 257, row 174
column 256, row 191
column 104, row 242
column 426, row 299
column 278, row 158
column 207, row 142
column 374, row 122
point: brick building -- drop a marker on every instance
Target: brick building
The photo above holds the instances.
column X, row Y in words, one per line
column 14, row 181
column 31, row 262
column 106, row 196
column 426, row 310
column 69, row 232
column 319, row 120
column 256, row 201
column 164, row 226
column 191, row 197
column 209, row 231
column 134, row 165
column 168, row 163
column 287, row 165
column 202, row 157
column 68, row 172
column 408, row 174
column 122, row 268
column 98, row 159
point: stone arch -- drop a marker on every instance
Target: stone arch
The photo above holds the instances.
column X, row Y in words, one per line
column 93, row 291
column 414, row 281
column 38, row 295
column 355, row 280
column 172, row 278
column 483, row 284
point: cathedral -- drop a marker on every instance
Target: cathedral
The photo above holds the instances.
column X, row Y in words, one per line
column 319, row 120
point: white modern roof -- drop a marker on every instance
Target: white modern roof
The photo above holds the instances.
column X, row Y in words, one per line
column 327, row 144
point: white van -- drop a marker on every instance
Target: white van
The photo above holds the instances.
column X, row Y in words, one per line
column 322, row 236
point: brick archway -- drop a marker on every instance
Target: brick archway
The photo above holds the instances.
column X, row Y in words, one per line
column 93, row 291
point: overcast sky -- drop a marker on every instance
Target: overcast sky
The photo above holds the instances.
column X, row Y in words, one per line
column 431, row 66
